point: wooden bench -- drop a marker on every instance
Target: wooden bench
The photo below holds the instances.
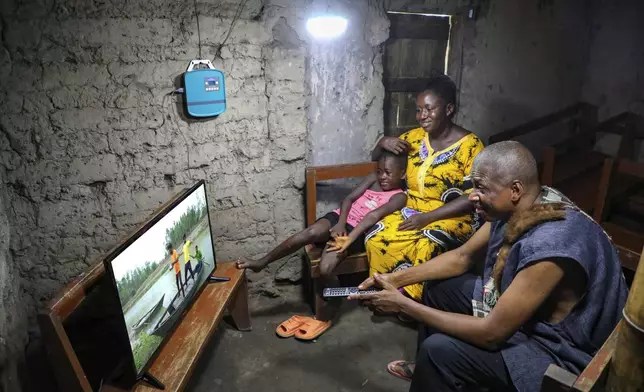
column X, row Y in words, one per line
column 178, row 355
column 592, row 378
column 617, row 178
column 572, row 165
column 353, row 263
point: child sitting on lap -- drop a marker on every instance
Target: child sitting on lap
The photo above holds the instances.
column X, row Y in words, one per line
column 377, row 196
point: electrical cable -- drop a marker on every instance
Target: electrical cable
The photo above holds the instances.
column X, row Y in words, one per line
column 240, row 7
column 198, row 28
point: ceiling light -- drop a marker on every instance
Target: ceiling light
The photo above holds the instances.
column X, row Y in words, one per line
column 327, row 27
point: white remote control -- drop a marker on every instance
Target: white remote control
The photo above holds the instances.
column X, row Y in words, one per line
column 346, row 291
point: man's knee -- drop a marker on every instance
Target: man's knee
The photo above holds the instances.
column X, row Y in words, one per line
column 440, row 349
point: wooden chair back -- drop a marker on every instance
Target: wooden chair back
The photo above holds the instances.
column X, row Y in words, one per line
column 617, row 177
column 315, row 174
column 580, row 118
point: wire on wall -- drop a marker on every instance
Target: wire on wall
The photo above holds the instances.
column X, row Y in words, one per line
column 238, row 12
column 198, row 29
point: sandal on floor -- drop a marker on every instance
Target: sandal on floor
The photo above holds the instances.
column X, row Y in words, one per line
column 290, row 326
column 401, row 369
column 312, row 329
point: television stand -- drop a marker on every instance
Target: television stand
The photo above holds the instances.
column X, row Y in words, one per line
column 178, row 356
column 151, row 381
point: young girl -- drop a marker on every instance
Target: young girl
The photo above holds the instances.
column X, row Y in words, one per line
column 377, row 196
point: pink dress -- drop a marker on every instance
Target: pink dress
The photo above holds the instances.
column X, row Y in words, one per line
column 369, row 201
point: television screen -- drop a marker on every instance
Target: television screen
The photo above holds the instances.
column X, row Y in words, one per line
column 159, row 270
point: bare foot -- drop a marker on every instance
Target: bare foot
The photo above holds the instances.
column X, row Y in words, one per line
column 253, row 265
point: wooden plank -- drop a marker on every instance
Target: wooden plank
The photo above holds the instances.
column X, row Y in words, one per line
column 418, row 26
column 557, row 379
column 630, row 168
column 73, row 293
column 619, row 125
column 177, row 358
column 629, row 259
column 311, row 195
column 592, row 378
column 602, row 193
column 624, row 238
column 582, row 190
column 67, row 369
column 571, row 165
column 351, row 170
column 565, row 114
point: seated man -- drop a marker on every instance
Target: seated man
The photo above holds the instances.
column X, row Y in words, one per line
column 553, row 288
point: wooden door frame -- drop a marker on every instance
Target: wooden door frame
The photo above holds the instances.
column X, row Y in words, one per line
column 461, row 31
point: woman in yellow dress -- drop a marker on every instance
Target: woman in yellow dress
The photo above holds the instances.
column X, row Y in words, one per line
column 438, row 217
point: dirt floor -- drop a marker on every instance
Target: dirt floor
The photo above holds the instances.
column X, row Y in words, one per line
column 351, row 356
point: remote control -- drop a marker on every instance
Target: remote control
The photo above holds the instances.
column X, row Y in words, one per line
column 346, row 291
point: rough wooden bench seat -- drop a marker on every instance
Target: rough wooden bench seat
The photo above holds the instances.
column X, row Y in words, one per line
column 570, row 166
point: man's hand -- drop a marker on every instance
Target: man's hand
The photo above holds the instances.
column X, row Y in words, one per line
column 371, row 281
column 389, row 300
column 339, row 244
column 339, row 230
column 394, row 144
column 416, row 222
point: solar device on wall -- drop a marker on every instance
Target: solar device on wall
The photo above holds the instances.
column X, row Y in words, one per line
column 205, row 90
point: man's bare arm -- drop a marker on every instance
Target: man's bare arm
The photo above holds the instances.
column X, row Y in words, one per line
column 448, row 265
column 527, row 292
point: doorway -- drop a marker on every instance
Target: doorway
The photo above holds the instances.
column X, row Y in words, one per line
column 416, row 50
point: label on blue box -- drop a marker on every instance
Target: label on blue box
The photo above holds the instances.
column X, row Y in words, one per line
column 211, row 83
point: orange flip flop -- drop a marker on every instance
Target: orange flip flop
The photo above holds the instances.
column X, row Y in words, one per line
column 312, row 329
column 290, row 326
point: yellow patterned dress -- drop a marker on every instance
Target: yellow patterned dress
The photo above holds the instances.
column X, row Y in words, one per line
column 433, row 179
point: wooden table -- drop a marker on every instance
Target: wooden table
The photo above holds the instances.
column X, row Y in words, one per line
column 177, row 358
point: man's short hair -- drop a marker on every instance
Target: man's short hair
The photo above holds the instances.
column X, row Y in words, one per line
column 509, row 161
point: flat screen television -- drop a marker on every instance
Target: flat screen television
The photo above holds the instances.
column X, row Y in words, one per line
column 157, row 273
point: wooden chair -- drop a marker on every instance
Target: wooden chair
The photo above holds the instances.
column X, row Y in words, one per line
column 578, row 118
column 618, row 177
column 574, row 167
column 591, row 379
column 354, row 263
column 562, row 162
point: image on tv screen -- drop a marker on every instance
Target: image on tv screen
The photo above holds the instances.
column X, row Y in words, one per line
column 159, row 273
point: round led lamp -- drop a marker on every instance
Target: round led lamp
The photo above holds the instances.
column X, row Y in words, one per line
column 326, row 27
